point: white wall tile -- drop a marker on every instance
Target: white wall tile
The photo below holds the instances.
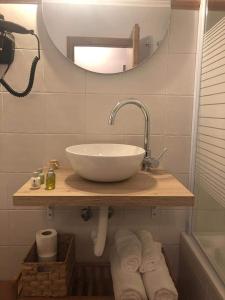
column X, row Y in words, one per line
column 4, row 263
column 183, row 31
column 136, row 140
column 10, row 261
column 98, row 109
column 21, row 152
column 134, row 119
column 60, row 75
column 172, row 223
column 180, row 66
column 16, row 255
column 73, row 220
column 129, row 119
column 149, row 78
column 104, row 138
column 4, row 227
column 24, row 224
column 3, row 197
column 26, row 115
column 141, row 218
column 178, row 115
column 65, row 113
column 22, row 66
column 13, row 181
column 56, row 145
column 177, row 159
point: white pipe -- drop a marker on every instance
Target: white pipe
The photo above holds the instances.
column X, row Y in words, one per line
column 99, row 238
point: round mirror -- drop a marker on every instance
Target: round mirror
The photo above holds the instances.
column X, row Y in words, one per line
column 107, row 36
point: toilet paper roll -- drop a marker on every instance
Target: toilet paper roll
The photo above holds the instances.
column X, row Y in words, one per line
column 46, row 241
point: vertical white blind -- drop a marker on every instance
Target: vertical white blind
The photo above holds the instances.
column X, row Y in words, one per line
column 210, row 159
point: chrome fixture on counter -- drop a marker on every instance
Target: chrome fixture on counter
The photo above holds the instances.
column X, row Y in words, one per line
column 149, row 161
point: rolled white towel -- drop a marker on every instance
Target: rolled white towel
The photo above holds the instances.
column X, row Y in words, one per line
column 126, row 285
column 159, row 285
column 129, row 250
column 151, row 251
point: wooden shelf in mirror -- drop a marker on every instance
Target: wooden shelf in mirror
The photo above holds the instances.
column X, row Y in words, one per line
column 158, row 188
column 133, row 42
column 186, row 4
column 195, row 4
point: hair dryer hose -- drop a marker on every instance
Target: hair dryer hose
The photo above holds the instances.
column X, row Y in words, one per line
column 30, row 84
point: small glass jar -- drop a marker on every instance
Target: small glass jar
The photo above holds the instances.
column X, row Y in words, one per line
column 35, row 181
column 54, row 164
column 41, row 175
column 50, row 179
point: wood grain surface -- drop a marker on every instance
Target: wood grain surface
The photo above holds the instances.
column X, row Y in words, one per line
column 157, row 188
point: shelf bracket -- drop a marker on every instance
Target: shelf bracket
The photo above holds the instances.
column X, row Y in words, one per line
column 50, row 213
column 154, row 211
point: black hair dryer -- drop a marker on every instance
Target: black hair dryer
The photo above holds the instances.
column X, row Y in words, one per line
column 7, row 52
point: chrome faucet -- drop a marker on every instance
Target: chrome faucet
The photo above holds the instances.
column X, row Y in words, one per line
column 149, row 161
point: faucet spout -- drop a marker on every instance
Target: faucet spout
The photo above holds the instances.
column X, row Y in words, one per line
column 149, row 162
column 146, row 114
column 112, row 118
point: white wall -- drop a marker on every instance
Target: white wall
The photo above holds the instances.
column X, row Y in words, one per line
column 69, row 106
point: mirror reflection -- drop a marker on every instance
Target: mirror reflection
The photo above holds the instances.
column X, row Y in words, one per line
column 107, row 36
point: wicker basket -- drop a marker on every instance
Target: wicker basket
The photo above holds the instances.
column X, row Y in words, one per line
column 49, row 279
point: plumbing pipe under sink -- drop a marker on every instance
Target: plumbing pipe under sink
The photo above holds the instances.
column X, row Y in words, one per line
column 99, row 237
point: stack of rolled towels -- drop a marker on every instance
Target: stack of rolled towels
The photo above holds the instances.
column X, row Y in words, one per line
column 138, row 268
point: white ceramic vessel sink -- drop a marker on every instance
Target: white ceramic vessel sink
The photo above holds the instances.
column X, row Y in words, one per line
column 105, row 162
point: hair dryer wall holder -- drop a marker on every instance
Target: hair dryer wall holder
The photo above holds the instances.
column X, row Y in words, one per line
column 7, row 52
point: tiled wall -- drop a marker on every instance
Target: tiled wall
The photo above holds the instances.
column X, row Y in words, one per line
column 70, row 106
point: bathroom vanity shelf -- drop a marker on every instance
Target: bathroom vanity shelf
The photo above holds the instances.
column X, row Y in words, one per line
column 92, row 281
column 157, row 188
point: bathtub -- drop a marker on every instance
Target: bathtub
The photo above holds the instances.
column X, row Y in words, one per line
column 198, row 278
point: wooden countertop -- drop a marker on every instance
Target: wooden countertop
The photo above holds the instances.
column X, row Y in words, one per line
column 158, row 188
